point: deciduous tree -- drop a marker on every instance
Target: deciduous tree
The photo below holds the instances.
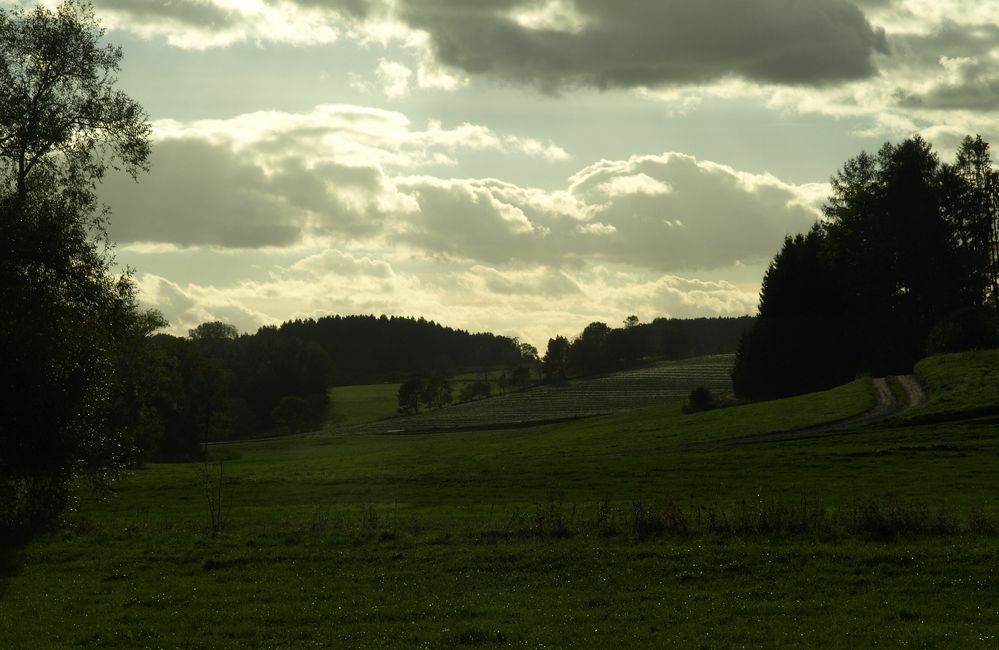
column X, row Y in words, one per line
column 63, row 124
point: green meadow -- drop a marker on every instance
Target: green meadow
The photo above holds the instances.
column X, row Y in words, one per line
column 352, row 405
column 639, row 529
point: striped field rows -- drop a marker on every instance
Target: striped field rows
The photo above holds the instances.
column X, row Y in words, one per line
column 665, row 382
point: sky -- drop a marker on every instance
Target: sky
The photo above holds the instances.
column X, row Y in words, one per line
column 524, row 167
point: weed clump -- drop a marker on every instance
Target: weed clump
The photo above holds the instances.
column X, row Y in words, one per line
column 658, row 519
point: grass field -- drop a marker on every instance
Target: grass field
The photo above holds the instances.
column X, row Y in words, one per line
column 662, row 383
column 353, row 405
column 606, row 532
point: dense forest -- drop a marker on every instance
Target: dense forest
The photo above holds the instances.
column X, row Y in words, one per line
column 905, row 263
column 369, row 349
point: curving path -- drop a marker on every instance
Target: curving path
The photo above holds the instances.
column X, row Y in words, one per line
column 885, row 406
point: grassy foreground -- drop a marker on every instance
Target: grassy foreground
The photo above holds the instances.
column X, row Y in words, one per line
column 600, row 533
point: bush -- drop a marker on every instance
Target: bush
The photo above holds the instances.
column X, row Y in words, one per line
column 970, row 328
column 700, row 400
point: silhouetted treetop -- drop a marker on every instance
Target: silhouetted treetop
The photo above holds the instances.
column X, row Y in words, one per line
column 69, row 320
column 61, row 115
column 908, row 247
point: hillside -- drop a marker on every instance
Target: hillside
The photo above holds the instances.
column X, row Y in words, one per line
column 664, row 382
column 580, row 533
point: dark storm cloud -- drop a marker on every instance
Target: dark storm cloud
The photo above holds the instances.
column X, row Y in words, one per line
column 948, row 39
column 654, row 42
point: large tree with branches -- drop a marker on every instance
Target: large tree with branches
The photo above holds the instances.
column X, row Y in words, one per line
column 64, row 310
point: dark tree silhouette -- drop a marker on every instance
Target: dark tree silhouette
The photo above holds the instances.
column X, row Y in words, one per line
column 62, row 125
column 793, row 346
column 971, row 202
column 555, row 365
column 588, row 353
column 409, row 395
column 437, row 391
column 904, row 251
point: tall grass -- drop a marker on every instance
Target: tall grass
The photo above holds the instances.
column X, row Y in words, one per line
column 868, row 519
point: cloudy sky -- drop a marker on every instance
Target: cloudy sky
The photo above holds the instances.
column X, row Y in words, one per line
column 519, row 166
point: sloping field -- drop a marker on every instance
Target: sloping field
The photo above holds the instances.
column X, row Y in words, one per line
column 669, row 381
column 351, row 405
column 546, row 537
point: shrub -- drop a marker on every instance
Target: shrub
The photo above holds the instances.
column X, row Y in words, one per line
column 700, row 400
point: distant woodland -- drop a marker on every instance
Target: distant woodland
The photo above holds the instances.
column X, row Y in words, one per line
column 216, row 384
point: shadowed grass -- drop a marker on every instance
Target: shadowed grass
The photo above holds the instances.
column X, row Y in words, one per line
column 546, row 536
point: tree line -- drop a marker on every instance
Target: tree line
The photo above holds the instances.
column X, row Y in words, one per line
column 600, row 348
column 904, row 263
column 370, row 349
column 216, row 384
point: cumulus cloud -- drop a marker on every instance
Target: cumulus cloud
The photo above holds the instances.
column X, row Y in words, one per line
column 663, row 212
column 351, row 135
column 342, row 264
column 541, row 282
column 280, row 180
column 185, row 307
column 951, row 67
column 272, row 179
column 394, row 77
column 200, row 193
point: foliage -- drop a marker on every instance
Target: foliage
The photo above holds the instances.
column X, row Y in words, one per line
column 600, row 349
column 409, row 395
column 291, row 415
column 62, row 121
column 969, row 328
column 370, row 349
column 556, row 361
column 903, row 262
column 221, row 386
column 67, row 317
column 475, row 390
column 520, row 377
column 700, row 399
column 436, row 391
